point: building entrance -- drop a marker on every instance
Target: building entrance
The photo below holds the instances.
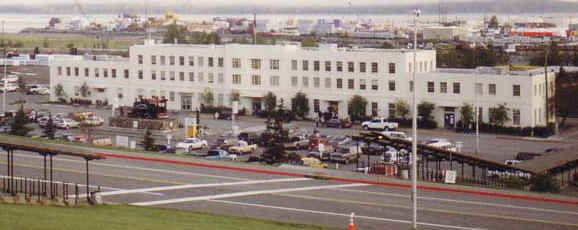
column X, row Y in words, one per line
column 449, row 117
column 187, row 102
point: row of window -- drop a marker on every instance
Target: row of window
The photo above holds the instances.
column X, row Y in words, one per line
column 443, row 88
column 339, row 66
column 97, row 71
column 183, row 61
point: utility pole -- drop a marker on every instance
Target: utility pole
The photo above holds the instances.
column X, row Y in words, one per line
column 5, row 77
column 414, row 127
column 254, row 26
column 547, row 109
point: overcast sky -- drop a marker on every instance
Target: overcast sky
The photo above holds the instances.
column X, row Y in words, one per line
column 238, row 2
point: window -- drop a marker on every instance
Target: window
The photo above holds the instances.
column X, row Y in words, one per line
column 274, row 64
column 316, row 66
column 113, row 73
column 140, row 75
column 316, row 82
column 316, row 105
column 171, row 60
column 456, row 88
column 210, row 61
column 374, row 84
column 327, row 83
column 391, row 85
column 86, row 72
column 362, row 84
column 516, row 90
column 328, row 66
column 392, row 67
column 339, row 83
column 305, row 82
column 236, row 63
column 153, row 60
column 171, row 96
column 126, row 73
column 274, row 81
column 256, row 63
column 339, row 66
column 181, row 60
column 516, row 116
column 191, row 76
column 163, row 75
column 351, row 84
column 293, row 64
column 236, row 79
column 410, row 86
column 479, row 89
column 59, row 70
column 76, row 71
column 200, row 76
column 153, row 75
column 221, row 78
column 362, row 67
column 443, row 87
column 294, row 81
column 350, row 67
column 200, row 61
column 430, row 87
column 172, row 75
column 391, row 108
column 374, row 109
column 256, row 79
column 211, row 78
column 221, row 62
column 163, row 60
column 409, row 68
column 181, row 76
column 105, row 72
column 191, row 61
column 68, row 71
column 305, row 65
column 96, row 72
column 140, row 59
column 220, row 99
column 374, row 67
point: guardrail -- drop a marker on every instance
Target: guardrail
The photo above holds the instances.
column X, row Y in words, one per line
column 34, row 189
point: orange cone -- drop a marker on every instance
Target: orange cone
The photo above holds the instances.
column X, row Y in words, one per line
column 351, row 224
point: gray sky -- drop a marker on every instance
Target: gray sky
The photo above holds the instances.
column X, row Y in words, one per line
column 238, row 2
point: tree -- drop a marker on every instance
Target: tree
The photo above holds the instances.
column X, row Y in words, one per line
column 274, row 138
column 59, row 91
column 499, row 116
column 493, row 22
column 84, row 90
column 543, row 183
column 467, row 115
column 401, row 108
column 308, row 42
column 300, row 104
column 425, row 110
column 270, row 101
column 148, row 141
column 357, row 106
column 174, row 32
column 386, row 45
column 50, row 128
column 21, row 84
column 18, row 126
column 208, row 97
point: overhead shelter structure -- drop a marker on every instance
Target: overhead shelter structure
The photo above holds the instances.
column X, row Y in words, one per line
column 47, row 150
column 436, row 155
column 561, row 165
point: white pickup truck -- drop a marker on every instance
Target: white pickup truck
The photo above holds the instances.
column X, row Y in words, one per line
column 379, row 123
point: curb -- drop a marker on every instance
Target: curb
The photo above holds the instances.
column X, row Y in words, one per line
column 348, row 180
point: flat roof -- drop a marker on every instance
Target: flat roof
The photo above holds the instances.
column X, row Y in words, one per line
column 550, row 161
column 28, row 144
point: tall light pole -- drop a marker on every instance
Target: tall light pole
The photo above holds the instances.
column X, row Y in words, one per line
column 5, row 77
column 477, row 110
column 414, row 126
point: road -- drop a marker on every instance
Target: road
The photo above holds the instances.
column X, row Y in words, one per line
column 296, row 199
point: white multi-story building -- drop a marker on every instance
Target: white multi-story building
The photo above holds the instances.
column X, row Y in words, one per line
column 328, row 75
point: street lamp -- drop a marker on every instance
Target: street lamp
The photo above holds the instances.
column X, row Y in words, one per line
column 5, row 77
column 414, row 126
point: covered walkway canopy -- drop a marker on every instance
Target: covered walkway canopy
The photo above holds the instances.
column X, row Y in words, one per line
column 553, row 163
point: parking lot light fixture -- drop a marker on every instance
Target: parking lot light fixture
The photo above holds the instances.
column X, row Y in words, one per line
column 414, row 126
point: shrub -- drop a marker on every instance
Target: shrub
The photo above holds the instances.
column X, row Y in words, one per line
column 543, row 183
column 512, row 182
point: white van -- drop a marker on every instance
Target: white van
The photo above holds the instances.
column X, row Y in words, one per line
column 442, row 144
column 396, row 135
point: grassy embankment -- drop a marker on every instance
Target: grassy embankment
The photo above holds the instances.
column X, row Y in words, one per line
column 123, row 217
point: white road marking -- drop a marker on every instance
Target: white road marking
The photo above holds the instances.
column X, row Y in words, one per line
column 343, row 215
column 143, row 169
column 248, row 193
column 187, row 186
column 463, row 201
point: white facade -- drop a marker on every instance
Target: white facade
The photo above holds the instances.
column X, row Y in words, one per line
column 381, row 76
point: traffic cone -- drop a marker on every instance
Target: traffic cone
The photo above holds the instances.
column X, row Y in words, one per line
column 351, row 224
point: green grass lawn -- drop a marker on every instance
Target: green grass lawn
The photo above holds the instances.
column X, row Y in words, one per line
column 121, row 217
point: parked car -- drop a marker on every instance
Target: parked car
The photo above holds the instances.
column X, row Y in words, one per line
column 249, row 137
column 441, row 143
column 337, row 123
column 372, row 149
column 220, row 154
column 66, row 123
column 344, row 156
column 396, row 135
column 297, row 142
column 516, row 173
column 380, row 124
column 339, row 141
column 192, row 143
column 313, row 162
column 243, row 147
column 390, row 155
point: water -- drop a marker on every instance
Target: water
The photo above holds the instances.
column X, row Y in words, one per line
column 16, row 22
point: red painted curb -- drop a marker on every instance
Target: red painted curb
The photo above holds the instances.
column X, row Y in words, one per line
column 385, row 184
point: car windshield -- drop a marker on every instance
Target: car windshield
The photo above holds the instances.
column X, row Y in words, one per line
column 191, row 141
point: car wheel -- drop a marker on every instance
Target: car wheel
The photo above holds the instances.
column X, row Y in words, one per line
column 365, row 127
